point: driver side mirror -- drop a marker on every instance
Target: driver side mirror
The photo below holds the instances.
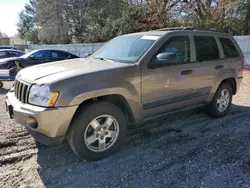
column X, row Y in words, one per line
column 163, row 59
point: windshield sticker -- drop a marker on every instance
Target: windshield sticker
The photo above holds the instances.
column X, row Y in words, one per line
column 150, row 37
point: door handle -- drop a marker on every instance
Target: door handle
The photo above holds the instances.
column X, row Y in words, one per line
column 186, row 72
column 219, row 67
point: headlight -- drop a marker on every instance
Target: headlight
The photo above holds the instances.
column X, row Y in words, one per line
column 42, row 96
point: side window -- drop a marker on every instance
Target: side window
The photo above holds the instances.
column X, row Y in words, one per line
column 175, row 50
column 58, row 54
column 39, row 54
column 206, row 48
column 63, row 54
column 2, row 54
column 54, row 54
column 229, row 48
column 12, row 54
column 47, row 53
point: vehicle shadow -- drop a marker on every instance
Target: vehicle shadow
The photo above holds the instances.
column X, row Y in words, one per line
column 169, row 145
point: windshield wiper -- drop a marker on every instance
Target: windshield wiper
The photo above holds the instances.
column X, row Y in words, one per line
column 105, row 59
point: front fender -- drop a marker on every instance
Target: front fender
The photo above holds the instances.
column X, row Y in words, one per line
column 131, row 99
column 77, row 92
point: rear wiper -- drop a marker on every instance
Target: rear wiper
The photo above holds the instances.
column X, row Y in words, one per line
column 105, row 59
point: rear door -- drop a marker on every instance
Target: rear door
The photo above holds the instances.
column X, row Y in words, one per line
column 209, row 56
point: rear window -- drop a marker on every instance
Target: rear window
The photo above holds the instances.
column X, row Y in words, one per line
column 229, row 48
column 206, row 48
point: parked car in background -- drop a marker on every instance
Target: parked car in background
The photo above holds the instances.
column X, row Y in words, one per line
column 36, row 57
column 130, row 80
column 8, row 47
column 6, row 53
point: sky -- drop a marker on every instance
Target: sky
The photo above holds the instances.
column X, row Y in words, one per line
column 9, row 10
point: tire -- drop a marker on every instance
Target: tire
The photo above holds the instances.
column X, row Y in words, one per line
column 215, row 109
column 84, row 127
column 1, row 84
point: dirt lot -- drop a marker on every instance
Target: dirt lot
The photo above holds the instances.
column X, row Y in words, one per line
column 185, row 150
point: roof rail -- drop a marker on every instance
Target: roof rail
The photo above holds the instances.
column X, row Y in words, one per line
column 188, row 28
column 174, row 28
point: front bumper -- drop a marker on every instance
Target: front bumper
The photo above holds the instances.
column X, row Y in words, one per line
column 51, row 123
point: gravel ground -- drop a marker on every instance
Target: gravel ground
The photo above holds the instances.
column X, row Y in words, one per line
column 184, row 150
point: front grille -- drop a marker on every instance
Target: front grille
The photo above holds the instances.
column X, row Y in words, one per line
column 21, row 91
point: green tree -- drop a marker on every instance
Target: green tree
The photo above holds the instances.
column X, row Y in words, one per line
column 111, row 18
column 52, row 21
column 26, row 26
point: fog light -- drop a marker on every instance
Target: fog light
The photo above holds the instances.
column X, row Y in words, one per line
column 32, row 122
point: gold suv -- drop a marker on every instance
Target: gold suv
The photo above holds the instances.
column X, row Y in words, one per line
column 131, row 79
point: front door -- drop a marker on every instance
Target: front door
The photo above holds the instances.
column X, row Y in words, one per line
column 169, row 85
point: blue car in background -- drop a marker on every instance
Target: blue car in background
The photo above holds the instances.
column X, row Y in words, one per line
column 36, row 57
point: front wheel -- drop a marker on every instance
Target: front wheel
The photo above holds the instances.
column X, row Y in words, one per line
column 221, row 102
column 97, row 131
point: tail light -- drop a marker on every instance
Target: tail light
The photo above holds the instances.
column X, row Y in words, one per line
column 242, row 62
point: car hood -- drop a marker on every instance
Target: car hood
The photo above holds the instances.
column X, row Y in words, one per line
column 68, row 68
column 4, row 60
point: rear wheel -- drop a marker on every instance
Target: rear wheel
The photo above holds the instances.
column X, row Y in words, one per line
column 221, row 102
column 97, row 131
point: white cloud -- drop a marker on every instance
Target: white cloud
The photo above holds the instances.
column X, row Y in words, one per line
column 9, row 16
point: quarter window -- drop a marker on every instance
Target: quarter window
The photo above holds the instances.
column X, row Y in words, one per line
column 206, row 48
column 229, row 48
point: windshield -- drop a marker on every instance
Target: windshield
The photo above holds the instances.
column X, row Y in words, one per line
column 127, row 49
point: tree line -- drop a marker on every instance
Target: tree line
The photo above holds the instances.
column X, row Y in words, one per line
column 78, row 21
